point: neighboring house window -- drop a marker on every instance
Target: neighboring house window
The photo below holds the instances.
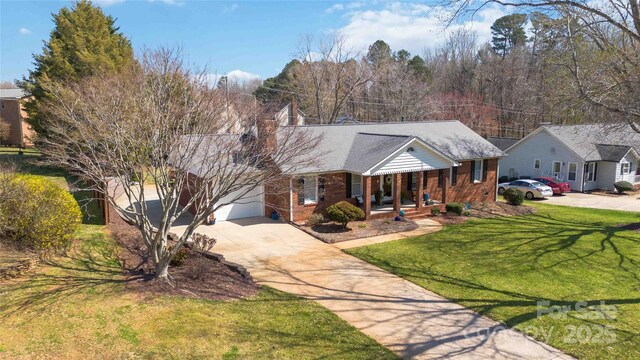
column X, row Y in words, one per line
column 310, row 190
column 592, row 171
column 625, row 168
column 440, row 178
column 454, row 175
column 573, row 170
column 536, row 164
column 555, row 169
column 476, row 171
column 356, row 185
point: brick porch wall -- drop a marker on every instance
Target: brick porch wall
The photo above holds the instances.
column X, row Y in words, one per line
column 335, row 190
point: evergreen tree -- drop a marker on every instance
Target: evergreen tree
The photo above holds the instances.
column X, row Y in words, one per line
column 278, row 88
column 508, row 32
column 83, row 42
column 379, row 53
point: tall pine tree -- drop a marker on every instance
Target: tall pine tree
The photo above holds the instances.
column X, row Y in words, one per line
column 84, row 42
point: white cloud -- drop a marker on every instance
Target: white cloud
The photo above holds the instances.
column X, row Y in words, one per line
column 412, row 26
column 230, row 8
column 344, row 6
column 234, row 76
column 24, row 31
column 169, row 2
column 105, row 3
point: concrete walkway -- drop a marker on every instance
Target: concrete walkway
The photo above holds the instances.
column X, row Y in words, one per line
column 411, row 321
column 595, row 201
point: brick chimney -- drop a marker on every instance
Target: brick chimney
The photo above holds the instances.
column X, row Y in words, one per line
column 267, row 134
column 293, row 111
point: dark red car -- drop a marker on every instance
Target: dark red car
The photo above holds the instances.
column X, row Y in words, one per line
column 558, row 187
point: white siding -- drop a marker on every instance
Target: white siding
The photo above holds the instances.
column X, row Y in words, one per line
column 546, row 148
column 605, row 177
column 631, row 177
column 420, row 159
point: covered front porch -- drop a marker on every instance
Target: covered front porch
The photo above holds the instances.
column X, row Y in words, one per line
column 414, row 193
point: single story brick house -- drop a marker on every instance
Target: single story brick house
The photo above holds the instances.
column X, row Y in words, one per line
column 589, row 156
column 383, row 168
column 15, row 131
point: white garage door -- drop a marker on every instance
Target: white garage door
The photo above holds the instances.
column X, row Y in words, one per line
column 250, row 205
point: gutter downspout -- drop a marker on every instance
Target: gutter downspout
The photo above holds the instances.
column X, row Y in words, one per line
column 291, row 199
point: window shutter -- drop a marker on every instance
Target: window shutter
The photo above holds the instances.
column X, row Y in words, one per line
column 321, row 188
column 300, row 191
column 348, row 185
column 454, row 176
column 595, row 172
column 485, row 169
column 473, row 171
column 440, row 177
column 424, row 179
column 409, row 181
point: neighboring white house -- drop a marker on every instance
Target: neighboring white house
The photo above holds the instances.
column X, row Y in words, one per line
column 587, row 156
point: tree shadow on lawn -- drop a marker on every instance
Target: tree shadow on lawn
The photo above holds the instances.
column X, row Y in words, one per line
column 88, row 269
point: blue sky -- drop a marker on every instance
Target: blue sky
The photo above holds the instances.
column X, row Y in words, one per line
column 245, row 39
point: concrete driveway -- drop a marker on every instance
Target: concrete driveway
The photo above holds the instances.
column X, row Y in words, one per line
column 595, row 201
column 411, row 321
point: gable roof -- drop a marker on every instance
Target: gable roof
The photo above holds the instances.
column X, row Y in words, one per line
column 341, row 146
column 590, row 141
column 12, row 94
column 502, row 143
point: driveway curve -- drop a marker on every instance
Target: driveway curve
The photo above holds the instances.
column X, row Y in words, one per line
column 411, row 321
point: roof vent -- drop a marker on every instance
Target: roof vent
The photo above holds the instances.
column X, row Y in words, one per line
column 410, row 149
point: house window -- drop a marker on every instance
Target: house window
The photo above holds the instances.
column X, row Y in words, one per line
column 454, row 176
column 592, row 169
column 555, row 169
column 625, row 168
column 476, row 171
column 356, row 185
column 310, row 190
column 536, row 164
column 440, row 178
column 571, row 173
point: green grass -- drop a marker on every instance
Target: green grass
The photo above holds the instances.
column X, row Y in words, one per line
column 501, row 267
column 77, row 306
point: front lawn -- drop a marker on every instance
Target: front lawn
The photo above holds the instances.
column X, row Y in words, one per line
column 505, row 267
column 78, row 306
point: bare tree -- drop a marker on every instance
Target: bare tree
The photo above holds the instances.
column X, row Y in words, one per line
column 328, row 75
column 603, row 38
column 160, row 127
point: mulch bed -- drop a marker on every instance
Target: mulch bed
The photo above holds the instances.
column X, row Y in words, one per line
column 331, row 232
column 483, row 210
column 632, row 226
column 197, row 277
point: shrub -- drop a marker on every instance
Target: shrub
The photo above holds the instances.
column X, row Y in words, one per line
column 343, row 212
column 525, row 177
column 514, row 196
column 622, row 186
column 455, row 208
column 503, row 179
column 513, row 179
column 43, row 217
column 435, row 211
column 202, row 242
column 180, row 257
column 466, row 213
column 379, row 197
column 315, row 219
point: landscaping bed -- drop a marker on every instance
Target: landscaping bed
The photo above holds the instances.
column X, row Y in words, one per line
column 332, row 232
column 197, row 276
column 484, row 210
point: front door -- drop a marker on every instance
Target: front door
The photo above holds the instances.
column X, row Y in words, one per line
column 386, row 186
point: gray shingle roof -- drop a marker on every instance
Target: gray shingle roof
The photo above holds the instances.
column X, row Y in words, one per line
column 587, row 140
column 612, row 152
column 12, row 94
column 368, row 150
column 502, row 143
column 450, row 137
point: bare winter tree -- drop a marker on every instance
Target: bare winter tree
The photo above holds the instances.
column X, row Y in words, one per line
column 159, row 130
column 328, row 75
column 604, row 40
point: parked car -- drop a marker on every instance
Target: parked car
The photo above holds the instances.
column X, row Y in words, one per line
column 556, row 185
column 531, row 188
